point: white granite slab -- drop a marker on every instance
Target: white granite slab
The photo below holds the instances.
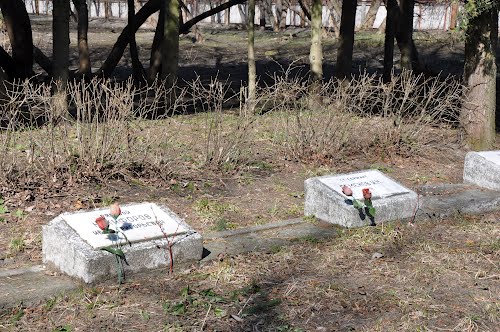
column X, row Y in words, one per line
column 324, row 199
column 483, row 169
column 493, row 156
column 140, row 222
column 380, row 185
column 65, row 249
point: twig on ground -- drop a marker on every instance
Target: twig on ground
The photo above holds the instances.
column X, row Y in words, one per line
column 170, row 243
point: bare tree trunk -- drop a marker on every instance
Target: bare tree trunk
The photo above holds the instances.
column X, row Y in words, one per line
column 302, row 19
column 316, row 52
column 195, row 8
column 278, row 5
column 478, row 113
column 269, row 12
column 243, row 15
column 42, row 60
column 107, row 9
column 155, row 60
column 18, row 27
column 371, row 15
column 262, row 16
column 335, row 9
column 84, row 67
column 405, row 40
column 138, row 70
column 346, row 39
column 97, row 4
column 252, row 72
column 170, row 45
column 227, row 16
column 60, row 45
column 37, row 7
column 389, row 40
column 60, row 54
column 283, row 14
column 453, row 14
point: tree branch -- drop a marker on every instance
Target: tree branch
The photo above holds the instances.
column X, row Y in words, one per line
column 142, row 15
column 304, row 9
column 186, row 26
column 42, row 60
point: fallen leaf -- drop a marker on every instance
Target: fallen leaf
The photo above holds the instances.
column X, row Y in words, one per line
column 237, row 318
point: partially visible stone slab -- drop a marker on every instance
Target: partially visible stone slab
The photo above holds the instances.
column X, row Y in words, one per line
column 483, row 169
column 325, row 200
column 443, row 200
column 29, row 286
column 265, row 237
column 79, row 256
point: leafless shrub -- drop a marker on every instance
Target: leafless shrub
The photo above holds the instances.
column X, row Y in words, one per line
column 102, row 136
column 225, row 133
column 364, row 115
column 116, row 130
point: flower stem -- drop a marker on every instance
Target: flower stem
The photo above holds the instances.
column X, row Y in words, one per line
column 118, row 269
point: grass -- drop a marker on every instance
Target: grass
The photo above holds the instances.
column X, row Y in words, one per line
column 16, row 245
column 427, row 280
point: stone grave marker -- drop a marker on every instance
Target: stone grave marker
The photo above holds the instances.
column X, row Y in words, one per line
column 72, row 242
column 483, row 169
column 324, row 198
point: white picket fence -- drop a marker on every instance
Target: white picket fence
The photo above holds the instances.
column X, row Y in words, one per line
column 427, row 16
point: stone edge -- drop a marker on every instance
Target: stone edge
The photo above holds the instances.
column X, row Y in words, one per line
column 407, row 202
column 82, row 261
column 488, row 180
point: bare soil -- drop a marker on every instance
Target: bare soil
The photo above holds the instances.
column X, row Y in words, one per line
column 440, row 275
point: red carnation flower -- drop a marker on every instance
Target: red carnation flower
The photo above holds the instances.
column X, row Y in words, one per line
column 102, row 223
column 367, row 194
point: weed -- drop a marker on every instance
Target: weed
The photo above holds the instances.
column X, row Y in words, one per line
column 274, row 210
column 262, row 306
column 384, row 169
column 16, row 245
column 261, row 165
column 214, row 212
column 176, row 309
column 107, row 201
column 65, row 328
column 312, row 219
column 17, row 314
column 222, row 224
column 174, row 327
column 295, row 210
column 276, row 249
column 49, row 304
column 3, row 208
column 419, row 179
column 299, row 194
column 144, row 314
column 309, row 239
column 19, row 214
column 220, row 312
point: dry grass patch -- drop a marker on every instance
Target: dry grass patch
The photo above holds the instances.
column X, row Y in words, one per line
column 430, row 278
